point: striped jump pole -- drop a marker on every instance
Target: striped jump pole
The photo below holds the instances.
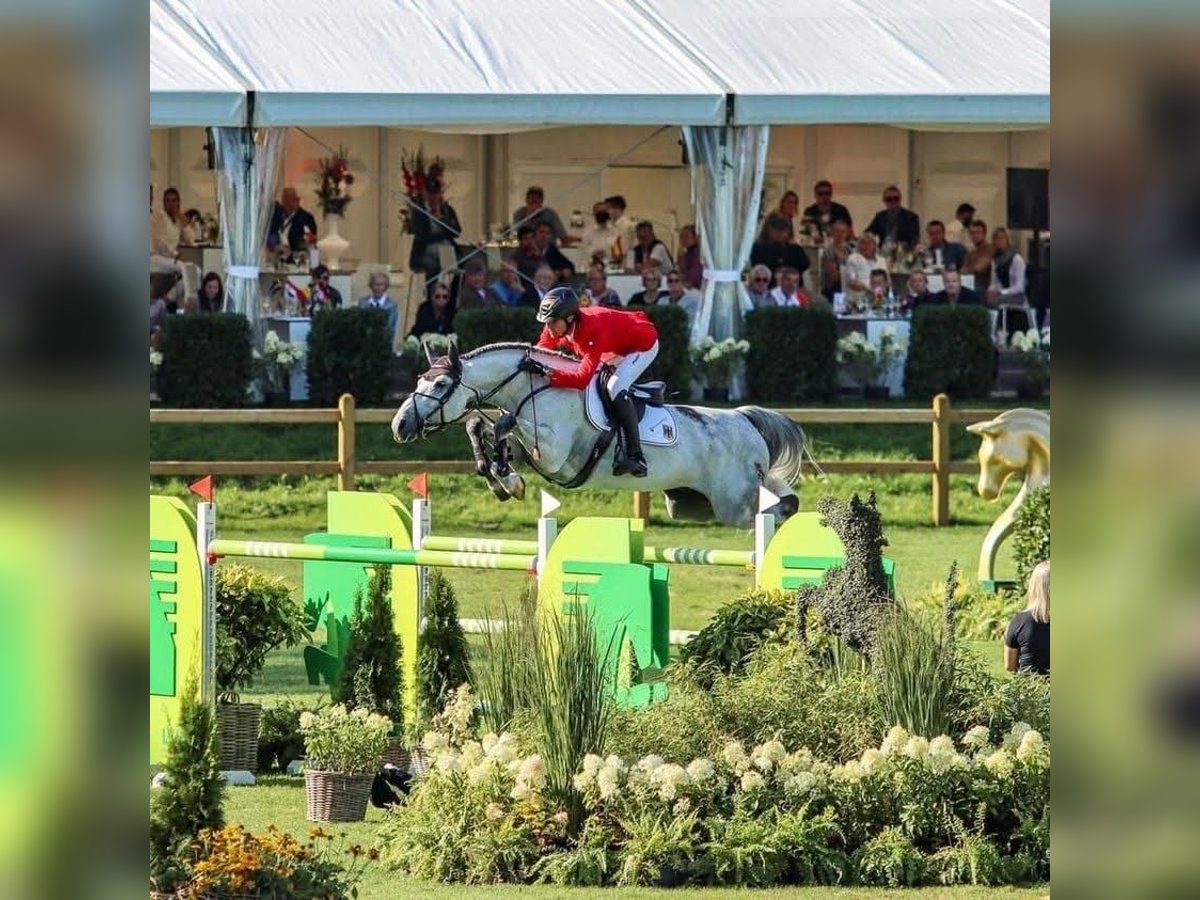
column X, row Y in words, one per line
column 479, row 545
column 372, row 555
column 699, row 556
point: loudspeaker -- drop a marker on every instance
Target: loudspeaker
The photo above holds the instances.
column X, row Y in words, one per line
column 1029, row 199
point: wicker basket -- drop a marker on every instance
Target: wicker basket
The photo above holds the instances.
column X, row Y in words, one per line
column 420, row 761
column 334, row 797
column 238, row 726
column 397, row 754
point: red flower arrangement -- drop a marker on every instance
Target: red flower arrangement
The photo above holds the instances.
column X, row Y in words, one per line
column 417, row 177
column 333, row 178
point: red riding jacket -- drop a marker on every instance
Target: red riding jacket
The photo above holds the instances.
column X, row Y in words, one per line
column 599, row 332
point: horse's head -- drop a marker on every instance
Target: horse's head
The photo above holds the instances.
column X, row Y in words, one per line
column 1006, row 447
column 436, row 402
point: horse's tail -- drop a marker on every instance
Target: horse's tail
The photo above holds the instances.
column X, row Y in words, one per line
column 786, row 441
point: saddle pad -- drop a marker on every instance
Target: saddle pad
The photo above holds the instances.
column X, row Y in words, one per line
column 657, row 426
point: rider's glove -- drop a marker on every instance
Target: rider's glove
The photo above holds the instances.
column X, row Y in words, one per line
column 529, row 364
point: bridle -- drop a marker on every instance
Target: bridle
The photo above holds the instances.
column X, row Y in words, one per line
column 426, row 425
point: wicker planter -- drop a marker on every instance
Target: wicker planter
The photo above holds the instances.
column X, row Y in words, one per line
column 397, row 754
column 238, row 726
column 334, row 797
column 419, row 764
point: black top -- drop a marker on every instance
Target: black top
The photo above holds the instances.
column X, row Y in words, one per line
column 907, row 226
column 1031, row 640
column 836, row 211
column 429, row 322
column 966, row 297
column 639, row 299
column 301, row 220
column 553, row 257
column 773, row 256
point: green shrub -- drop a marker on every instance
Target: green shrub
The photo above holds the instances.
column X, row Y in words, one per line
column 683, row 727
column 207, row 360
column 255, row 615
column 371, row 675
column 673, row 364
column 890, row 860
column 736, row 631
column 443, row 661
column 349, row 352
column 950, row 352
column 981, row 615
column 480, row 327
column 914, row 667
column 190, row 799
column 1031, row 535
column 793, row 354
column 998, row 701
column 279, row 739
column 502, row 677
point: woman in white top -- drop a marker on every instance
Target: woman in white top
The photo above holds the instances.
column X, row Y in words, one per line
column 1008, row 272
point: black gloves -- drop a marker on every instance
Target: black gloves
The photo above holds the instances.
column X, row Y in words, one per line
column 529, row 364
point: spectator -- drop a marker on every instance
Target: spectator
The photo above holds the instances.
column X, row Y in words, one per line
column 321, row 293
column 688, row 259
column 1007, row 279
column 856, row 271
column 292, row 227
column 939, row 251
column 625, row 225
column 161, row 284
column 825, row 211
column 837, row 251
column 475, row 293
column 1027, row 641
column 434, row 224
column 777, row 251
column 649, row 251
column 600, row 240
column 917, row 292
column 544, row 280
column 378, row 298
column 894, row 224
column 759, row 287
column 651, row 290
column 879, row 287
column 212, row 294
column 788, row 208
column 164, row 230
column 192, row 230
column 978, row 261
column 678, row 295
column 527, row 257
column 954, row 293
column 598, row 293
column 787, row 292
column 508, row 286
column 543, row 239
column 535, row 212
column 958, row 231
column 435, row 315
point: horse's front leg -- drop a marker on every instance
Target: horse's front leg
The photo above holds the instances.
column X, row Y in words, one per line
column 477, row 432
column 501, row 471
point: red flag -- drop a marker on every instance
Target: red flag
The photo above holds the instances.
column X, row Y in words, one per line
column 420, row 485
column 203, row 488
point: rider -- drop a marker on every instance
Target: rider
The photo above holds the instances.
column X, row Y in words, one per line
column 594, row 332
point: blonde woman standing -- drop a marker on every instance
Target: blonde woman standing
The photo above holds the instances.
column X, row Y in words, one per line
column 1027, row 643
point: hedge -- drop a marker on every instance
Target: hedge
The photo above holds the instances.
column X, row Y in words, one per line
column 950, row 351
column 793, row 354
column 349, row 352
column 479, row 327
column 1031, row 534
column 673, row 363
column 207, row 360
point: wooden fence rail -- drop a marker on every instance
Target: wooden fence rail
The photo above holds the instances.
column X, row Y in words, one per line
column 940, row 416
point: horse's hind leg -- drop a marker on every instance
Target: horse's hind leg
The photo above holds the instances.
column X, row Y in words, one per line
column 789, row 502
column 685, row 503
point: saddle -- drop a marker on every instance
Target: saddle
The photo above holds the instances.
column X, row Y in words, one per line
column 656, row 423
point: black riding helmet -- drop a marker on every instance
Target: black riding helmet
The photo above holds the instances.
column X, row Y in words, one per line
column 558, row 303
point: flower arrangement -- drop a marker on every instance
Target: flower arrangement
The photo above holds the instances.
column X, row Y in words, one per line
column 716, row 361
column 432, row 340
column 1033, row 348
column 417, row 174
column 333, row 177
column 277, row 358
column 349, row 743
column 866, row 363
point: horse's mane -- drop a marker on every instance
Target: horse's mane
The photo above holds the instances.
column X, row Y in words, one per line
column 517, row 345
column 1024, row 419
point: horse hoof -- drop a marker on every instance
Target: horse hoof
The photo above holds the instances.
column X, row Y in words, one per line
column 481, row 469
column 498, row 489
column 514, row 484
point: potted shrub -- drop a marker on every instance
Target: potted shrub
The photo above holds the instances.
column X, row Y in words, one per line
column 279, row 738
column 443, row 661
column 869, row 365
column 715, row 362
column 343, row 751
column 255, row 615
column 275, row 363
column 1033, row 352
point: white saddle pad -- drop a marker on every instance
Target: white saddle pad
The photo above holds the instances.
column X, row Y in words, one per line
column 657, row 426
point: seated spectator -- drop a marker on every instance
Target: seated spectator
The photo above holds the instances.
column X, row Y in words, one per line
column 788, row 208
column 678, row 295
column 161, row 284
column 192, row 231
column 958, row 231
column 978, row 261
column 543, row 239
column 508, row 286
column 651, row 288
column 598, row 293
column 1007, row 275
column 528, row 256
column 535, row 212
column 954, row 292
column 649, row 251
column 787, row 292
column 837, row 250
column 601, row 239
column 856, row 271
column 212, row 294
column 777, row 251
column 825, row 211
column 543, row 280
column 1027, row 641
column 435, row 315
column 321, row 293
column 758, row 286
column 626, row 225
column 917, row 292
column 689, row 262
column 475, row 293
column 894, row 224
column 941, row 253
column 378, row 298
column 879, row 287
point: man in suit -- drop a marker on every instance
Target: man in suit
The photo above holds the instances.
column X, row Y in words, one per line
column 825, row 211
column 543, row 239
column 379, row 299
column 475, row 293
column 940, row 251
column 954, row 293
column 895, row 223
column 291, row 223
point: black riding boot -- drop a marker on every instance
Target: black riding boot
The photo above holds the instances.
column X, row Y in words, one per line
column 632, row 463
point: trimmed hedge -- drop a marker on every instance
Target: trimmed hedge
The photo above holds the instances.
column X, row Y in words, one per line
column 479, row 327
column 793, row 354
column 1031, row 534
column 207, row 360
column 673, row 364
column 349, row 352
column 950, row 351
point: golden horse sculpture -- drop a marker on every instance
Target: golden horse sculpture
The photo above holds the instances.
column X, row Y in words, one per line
column 1016, row 442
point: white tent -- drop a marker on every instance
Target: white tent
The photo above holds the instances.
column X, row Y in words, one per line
column 189, row 84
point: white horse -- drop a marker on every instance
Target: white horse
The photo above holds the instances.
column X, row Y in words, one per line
column 710, row 462
column 1016, row 442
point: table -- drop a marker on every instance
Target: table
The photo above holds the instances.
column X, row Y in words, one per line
column 873, row 328
column 294, row 329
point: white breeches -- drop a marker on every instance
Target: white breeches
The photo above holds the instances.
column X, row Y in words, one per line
column 630, row 368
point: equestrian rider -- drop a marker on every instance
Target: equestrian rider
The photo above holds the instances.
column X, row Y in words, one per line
column 593, row 333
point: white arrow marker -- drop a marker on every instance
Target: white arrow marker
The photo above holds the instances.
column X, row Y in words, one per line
column 549, row 504
column 766, row 499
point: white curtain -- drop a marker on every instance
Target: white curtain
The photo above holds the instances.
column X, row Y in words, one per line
column 727, row 163
column 247, row 161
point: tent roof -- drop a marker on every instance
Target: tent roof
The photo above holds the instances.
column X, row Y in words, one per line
column 189, row 85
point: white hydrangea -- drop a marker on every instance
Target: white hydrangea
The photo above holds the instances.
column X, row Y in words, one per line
column 800, row 761
column 520, row 791
column 583, row 780
column 734, row 756
column 435, row 740
column 649, row 763
column 532, row 771
column 871, row 760
column 999, row 763
column 752, row 781
column 608, row 781
column 977, row 737
column 471, row 753
column 613, row 761
column 701, row 769
column 766, row 755
column 1032, row 746
column 895, row 740
column 156, row 359
column 1013, row 739
column 592, row 764
column 669, row 777
column 493, row 812
column 850, row 771
column 942, row 745
column 800, row 784
column 682, row 806
column 448, row 761
column 917, row 747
